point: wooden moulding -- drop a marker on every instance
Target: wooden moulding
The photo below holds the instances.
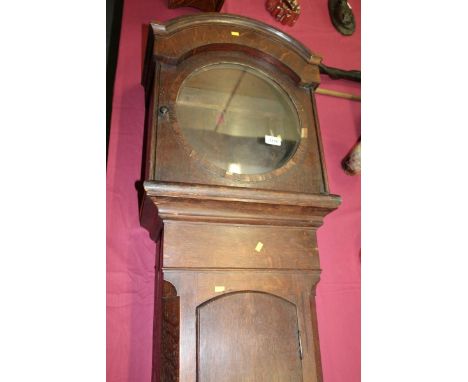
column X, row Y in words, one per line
column 240, row 194
column 149, row 218
column 238, row 205
column 204, row 5
column 184, row 36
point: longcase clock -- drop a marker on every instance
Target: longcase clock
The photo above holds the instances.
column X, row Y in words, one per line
column 235, row 188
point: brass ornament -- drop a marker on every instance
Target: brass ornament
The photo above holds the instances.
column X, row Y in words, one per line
column 285, row 11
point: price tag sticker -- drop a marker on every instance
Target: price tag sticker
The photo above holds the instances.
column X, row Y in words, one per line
column 272, row 140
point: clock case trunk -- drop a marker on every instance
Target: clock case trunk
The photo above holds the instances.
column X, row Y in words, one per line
column 237, row 261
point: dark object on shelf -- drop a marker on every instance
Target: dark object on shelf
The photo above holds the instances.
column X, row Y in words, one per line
column 342, row 17
column 285, row 11
column 338, row 74
column 204, row 5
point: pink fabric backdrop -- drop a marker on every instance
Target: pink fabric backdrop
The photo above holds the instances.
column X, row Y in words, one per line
column 130, row 252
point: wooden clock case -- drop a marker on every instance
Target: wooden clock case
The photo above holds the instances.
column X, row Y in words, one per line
column 237, row 264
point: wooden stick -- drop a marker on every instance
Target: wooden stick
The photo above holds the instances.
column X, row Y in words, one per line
column 334, row 93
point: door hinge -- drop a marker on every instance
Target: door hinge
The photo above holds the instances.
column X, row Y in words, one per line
column 300, row 343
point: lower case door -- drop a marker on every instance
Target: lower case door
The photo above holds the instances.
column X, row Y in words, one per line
column 248, row 337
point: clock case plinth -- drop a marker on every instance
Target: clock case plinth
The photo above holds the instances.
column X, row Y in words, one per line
column 237, row 264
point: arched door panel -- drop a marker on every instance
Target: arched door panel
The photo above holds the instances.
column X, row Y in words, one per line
column 248, row 337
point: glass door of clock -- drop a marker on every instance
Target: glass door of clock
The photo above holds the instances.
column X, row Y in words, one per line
column 237, row 118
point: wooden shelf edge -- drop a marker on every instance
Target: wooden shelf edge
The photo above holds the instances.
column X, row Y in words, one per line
column 240, row 194
column 168, row 201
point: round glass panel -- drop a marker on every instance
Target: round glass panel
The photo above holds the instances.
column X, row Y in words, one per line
column 238, row 119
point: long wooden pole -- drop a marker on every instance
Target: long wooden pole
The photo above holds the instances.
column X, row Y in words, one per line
column 334, row 93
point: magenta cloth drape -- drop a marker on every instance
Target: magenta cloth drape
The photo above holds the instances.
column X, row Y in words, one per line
column 130, row 252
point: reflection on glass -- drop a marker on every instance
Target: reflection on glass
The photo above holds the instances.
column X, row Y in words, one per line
column 238, row 119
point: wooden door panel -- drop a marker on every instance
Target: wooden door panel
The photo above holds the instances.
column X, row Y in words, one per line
column 248, row 337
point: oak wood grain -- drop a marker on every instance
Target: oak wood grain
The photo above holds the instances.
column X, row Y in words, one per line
column 204, row 5
column 198, row 287
column 178, row 38
column 214, row 245
column 260, row 329
column 238, row 261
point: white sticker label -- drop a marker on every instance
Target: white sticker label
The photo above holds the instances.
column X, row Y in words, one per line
column 272, row 140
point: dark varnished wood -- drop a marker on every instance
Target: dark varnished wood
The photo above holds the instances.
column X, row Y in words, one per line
column 253, row 326
column 203, row 203
column 196, row 287
column 237, row 194
column 149, row 218
column 177, row 161
column 170, row 333
column 182, row 36
column 179, row 47
column 214, row 245
column 204, row 5
column 238, row 261
column 158, row 318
